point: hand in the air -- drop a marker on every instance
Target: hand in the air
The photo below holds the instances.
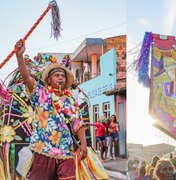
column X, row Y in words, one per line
column 20, row 48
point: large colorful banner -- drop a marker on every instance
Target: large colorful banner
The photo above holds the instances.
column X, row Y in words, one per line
column 163, row 83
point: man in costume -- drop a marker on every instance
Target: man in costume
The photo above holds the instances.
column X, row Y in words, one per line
column 55, row 107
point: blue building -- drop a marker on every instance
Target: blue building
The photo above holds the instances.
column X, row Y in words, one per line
column 104, row 82
column 94, row 88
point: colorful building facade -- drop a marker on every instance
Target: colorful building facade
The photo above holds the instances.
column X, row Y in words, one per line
column 94, row 88
column 106, row 83
column 119, row 91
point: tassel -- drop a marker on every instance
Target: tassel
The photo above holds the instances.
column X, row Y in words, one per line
column 5, row 96
column 143, row 60
column 56, row 27
column 56, row 21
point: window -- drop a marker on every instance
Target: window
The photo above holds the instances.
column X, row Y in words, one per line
column 106, row 108
column 95, row 113
column 95, row 118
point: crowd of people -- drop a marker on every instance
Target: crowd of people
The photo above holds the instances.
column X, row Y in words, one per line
column 158, row 169
column 107, row 136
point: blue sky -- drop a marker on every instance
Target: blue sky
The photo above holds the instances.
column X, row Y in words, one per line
column 157, row 16
column 80, row 19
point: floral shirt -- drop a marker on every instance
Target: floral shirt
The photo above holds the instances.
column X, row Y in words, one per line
column 51, row 136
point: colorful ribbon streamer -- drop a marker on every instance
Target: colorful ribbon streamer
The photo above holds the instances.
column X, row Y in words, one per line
column 143, row 60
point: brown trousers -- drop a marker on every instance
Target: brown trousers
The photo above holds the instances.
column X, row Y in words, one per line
column 46, row 168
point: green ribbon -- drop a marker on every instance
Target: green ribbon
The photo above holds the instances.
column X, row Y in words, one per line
column 174, row 161
column 12, row 156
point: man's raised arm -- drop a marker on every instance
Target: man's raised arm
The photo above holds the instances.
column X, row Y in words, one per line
column 28, row 80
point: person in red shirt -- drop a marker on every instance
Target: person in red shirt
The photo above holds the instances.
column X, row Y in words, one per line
column 114, row 128
column 100, row 135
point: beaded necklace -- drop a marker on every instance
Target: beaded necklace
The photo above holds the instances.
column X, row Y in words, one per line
column 64, row 104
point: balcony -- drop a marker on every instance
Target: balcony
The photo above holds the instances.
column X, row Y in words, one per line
column 81, row 78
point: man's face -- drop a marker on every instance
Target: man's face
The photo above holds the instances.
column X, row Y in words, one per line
column 57, row 79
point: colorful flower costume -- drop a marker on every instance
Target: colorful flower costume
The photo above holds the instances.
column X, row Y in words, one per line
column 51, row 135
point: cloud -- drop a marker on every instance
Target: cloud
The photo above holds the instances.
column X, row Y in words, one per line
column 144, row 22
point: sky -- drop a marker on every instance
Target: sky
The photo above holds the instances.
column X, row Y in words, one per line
column 159, row 17
column 80, row 20
column 92, row 19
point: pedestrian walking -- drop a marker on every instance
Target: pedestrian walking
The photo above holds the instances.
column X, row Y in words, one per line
column 100, row 128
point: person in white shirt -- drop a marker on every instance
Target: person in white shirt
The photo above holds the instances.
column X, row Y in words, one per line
column 85, row 71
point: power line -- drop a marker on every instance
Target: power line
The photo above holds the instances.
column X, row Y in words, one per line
column 132, row 49
column 79, row 37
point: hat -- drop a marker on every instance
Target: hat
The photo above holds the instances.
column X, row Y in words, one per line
column 69, row 74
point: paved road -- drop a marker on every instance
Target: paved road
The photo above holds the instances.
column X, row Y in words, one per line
column 116, row 168
column 116, row 176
